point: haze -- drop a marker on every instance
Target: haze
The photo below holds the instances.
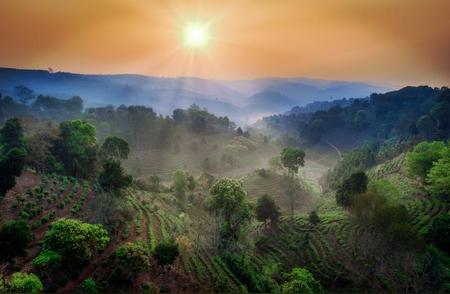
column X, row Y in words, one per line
column 393, row 42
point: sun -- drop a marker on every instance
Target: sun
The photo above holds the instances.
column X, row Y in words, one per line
column 196, row 36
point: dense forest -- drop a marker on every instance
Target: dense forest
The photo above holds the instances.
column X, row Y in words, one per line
column 344, row 196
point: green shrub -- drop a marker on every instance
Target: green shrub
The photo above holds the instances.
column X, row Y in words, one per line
column 47, row 260
column 89, row 286
column 26, row 283
column 300, row 280
column 166, row 252
column 14, row 239
column 439, row 232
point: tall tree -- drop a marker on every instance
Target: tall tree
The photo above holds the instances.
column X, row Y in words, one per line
column 113, row 177
column 292, row 158
column 267, row 209
column 115, row 148
column 11, row 135
column 14, row 239
column 233, row 211
column 77, row 148
column 356, row 184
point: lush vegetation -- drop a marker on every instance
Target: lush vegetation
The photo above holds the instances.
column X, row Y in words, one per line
column 212, row 207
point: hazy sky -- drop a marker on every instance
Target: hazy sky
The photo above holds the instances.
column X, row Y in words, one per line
column 399, row 42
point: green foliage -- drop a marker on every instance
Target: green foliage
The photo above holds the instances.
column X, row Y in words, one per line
column 229, row 202
column 14, row 239
column 267, row 209
column 292, row 158
column 389, row 218
column 313, row 218
column 115, row 148
column 25, row 283
column 351, row 187
column 180, row 183
column 251, row 277
column 353, row 162
column 47, row 260
column 11, row 134
column 404, row 235
column 438, row 178
column 292, row 189
column 77, row 148
column 89, row 286
column 420, row 160
column 74, row 240
column 133, row 258
column 439, row 232
column 113, row 177
column 12, row 154
column 166, row 252
column 191, row 182
column 300, row 280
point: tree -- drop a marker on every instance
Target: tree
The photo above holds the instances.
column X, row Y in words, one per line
column 438, row 178
column 47, row 261
column 239, row 131
column 133, row 258
column 179, row 186
column 179, row 115
column 439, row 232
column 74, row 240
column 266, row 209
column 14, row 239
column 166, row 252
column 292, row 158
column 354, row 185
column 420, row 160
column 300, row 280
column 11, row 135
column 113, row 177
column 39, row 146
column 441, row 113
column 89, row 286
column 292, row 191
column 233, row 211
column 191, row 182
column 77, row 148
column 426, row 126
column 26, row 283
column 24, row 93
column 314, row 218
column 115, row 148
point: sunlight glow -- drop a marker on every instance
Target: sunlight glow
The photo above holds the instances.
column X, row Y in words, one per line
column 196, row 36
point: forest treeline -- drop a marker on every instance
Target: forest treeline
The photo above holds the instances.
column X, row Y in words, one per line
column 422, row 112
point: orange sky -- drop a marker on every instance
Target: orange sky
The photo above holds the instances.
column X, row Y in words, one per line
column 398, row 42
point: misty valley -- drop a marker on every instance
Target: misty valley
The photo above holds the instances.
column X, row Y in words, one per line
column 334, row 195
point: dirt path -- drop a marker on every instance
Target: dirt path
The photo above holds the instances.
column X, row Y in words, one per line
column 334, row 147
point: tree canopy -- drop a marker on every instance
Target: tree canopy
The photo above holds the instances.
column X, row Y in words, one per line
column 78, row 149
column 14, row 239
column 74, row 240
column 292, row 158
column 229, row 202
column 113, row 177
column 115, row 148
column 267, row 209
column 300, row 280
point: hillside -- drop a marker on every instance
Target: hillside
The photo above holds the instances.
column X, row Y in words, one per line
column 165, row 94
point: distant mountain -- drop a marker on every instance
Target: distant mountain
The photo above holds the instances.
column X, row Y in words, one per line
column 304, row 91
column 269, row 102
column 241, row 100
